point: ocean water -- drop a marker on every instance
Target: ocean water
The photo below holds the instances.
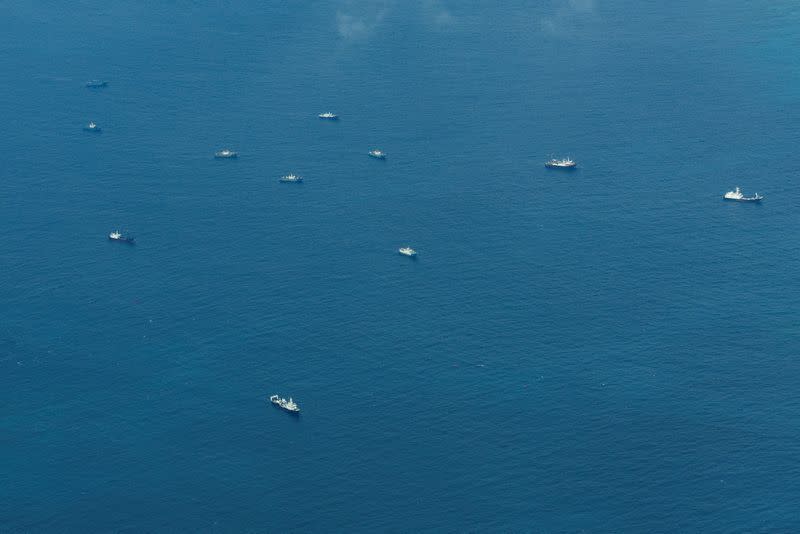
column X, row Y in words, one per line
column 613, row 349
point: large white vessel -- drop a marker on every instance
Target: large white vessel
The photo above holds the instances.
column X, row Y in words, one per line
column 379, row 154
column 225, row 154
column 737, row 195
column 288, row 405
column 407, row 251
column 565, row 163
column 329, row 116
column 291, row 178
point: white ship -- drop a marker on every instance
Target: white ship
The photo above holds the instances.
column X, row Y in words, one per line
column 329, row 116
column 565, row 163
column 225, row 154
column 288, row 405
column 116, row 235
column 737, row 195
column 379, row 154
column 408, row 251
column 92, row 127
column 291, row 178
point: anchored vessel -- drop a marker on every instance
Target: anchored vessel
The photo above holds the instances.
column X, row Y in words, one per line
column 379, row 154
column 565, row 163
column 291, row 178
column 92, row 127
column 408, row 251
column 225, row 154
column 329, row 116
column 288, row 405
column 95, row 84
column 117, row 236
column 737, row 195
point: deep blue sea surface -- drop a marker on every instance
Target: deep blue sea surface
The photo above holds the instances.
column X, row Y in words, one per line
column 613, row 349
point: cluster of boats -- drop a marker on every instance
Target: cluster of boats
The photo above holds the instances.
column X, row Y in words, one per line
column 293, row 178
column 227, row 153
column 553, row 163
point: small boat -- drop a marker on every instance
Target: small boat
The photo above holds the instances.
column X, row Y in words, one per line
column 96, row 84
column 737, row 195
column 288, row 405
column 328, row 116
column 379, row 154
column 225, row 154
column 408, row 251
column 117, row 236
column 291, row 179
column 92, row 127
column 565, row 163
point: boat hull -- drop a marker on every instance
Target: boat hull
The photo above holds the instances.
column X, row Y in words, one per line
column 742, row 199
column 281, row 408
column 561, row 167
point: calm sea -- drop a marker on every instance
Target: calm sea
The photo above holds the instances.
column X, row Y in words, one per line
column 613, row 349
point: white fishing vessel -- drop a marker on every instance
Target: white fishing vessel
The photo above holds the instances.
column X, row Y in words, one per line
column 565, row 163
column 116, row 235
column 92, row 127
column 378, row 154
column 328, row 116
column 288, row 405
column 737, row 195
column 225, row 154
column 291, row 178
column 407, row 251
